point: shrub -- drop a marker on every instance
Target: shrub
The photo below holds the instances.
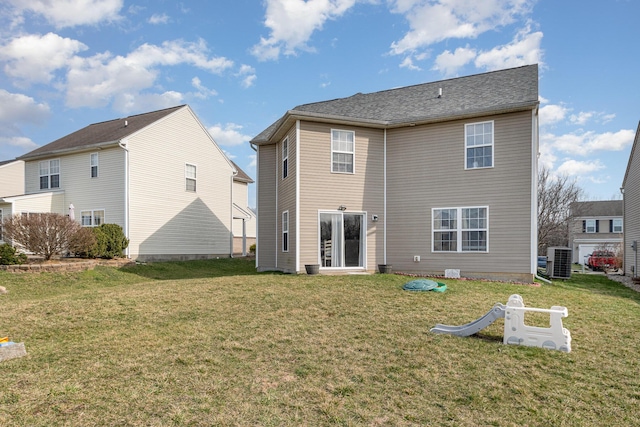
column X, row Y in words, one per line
column 110, row 241
column 81, row 243
column 252, row 248
column 8, row 255
column 44, row 234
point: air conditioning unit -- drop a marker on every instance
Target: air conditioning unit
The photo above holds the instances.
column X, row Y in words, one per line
column 559, row 263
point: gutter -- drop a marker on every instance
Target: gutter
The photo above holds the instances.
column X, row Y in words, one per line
column 84, row 148
column 122, row 144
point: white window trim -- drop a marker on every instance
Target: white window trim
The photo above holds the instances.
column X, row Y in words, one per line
column 93, row 216
column 458, row 230
column 285, row 232
column 492, row 145
column 285, row 158
column 353, row 153
column 363, row 243
column 48, row 175
column 194, row 178
column 586, row 226
column 91, row 165
column 613, row 227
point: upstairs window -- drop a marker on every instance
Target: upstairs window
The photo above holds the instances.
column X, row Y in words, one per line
column 93, row 161
column 478, row 145
column 342, row 151
column 285, row 158
column 616, row 225
column 49, row 174
column 92, row 218
column 190, row 177
column 590, row 226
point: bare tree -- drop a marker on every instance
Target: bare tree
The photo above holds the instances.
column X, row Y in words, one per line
column 45, row 234
column 555, row 196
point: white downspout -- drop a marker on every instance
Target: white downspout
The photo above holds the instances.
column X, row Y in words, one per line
column 297, row 219
column 123, row 145
column 534, row 191
column 233, row 174
column 384, row 191
column 255, row 149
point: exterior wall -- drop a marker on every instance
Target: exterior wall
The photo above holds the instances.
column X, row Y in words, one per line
column 286, row 201
column 167, row 221
column 360, row 192
column 46, row 202
column 583, row 243
column 631, row 227
column 241, row 198
column 266, row 199
column 426, row 170
column 12, row 179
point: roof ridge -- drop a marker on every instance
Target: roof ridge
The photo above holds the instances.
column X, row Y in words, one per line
column 137, row 115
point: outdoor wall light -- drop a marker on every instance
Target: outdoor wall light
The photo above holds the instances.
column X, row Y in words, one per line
column 342, row 208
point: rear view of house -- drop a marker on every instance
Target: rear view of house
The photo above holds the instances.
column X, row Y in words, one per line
column 595, row 225
column 425, row 178
column 158, row 175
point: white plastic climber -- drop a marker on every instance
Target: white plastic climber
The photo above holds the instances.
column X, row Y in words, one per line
column 556, row 337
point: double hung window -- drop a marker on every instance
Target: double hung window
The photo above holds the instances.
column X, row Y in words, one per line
column 591, row 226
column 49, row 174
column 460, row 229
column 285, row 158
column 190, row 177
column 93, row 161
column 285, row 231
column 616, row 225
column 478, row 145
column 342, row 151
column 92, row 218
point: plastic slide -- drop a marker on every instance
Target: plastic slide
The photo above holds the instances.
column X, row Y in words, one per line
column 474, row 327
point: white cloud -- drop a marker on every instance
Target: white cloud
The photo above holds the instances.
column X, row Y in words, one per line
column 581, row 118
column 450, row 62
column 22, row 142
column 130, row 103
column 70, row 13
column 523, row 50
column 586, row 143
column 254, row 161
column 408, row 63
column 34, row 58
column 97, row 80
column 16, row 108
column 228, row 135
column 203, row 92
column 292, row 23
column 248, row 75
column 157, row 19
column 432, row 21
column 552, row 113
column 579, row 168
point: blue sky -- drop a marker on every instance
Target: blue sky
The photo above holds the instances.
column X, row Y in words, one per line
column 240, row 64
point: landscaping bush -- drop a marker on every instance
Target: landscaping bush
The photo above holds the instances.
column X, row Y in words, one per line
column 8, row 255
column 45, row 234
column 110, row 241
column 252, row 248
column 82, row 243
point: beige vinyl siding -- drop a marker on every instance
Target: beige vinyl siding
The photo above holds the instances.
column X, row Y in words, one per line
column 39, row 203
column 631, row 226
column 320, row 189
column 426, row 170
column 12, row 179
column 266, row 199
column 287, row 202
column 241, row 198
column 166, row 221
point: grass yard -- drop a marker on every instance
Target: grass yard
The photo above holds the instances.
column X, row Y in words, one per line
column 211, row 343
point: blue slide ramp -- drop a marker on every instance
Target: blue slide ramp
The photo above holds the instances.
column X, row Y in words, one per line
column 474, row 327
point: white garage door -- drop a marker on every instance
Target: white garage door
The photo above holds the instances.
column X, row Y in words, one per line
column 584, row 251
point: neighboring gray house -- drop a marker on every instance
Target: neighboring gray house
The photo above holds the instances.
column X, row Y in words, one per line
column 158, row 175
column 426, row 178
column 631, row 198
column 594, row 225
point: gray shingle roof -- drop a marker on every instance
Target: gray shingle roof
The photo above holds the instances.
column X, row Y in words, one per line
column 608, row 208
column 110, row 131
column 242, row 175
column 504, row 90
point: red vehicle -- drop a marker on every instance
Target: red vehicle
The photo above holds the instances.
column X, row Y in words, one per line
column 599, row 260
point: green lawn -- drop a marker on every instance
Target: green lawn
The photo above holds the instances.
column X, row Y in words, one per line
column 212, row 343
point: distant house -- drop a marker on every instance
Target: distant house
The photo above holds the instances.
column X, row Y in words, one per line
column 594, row 225
column 631, row 197
column 244, row 218
column 425, row 178
column 11, row 177
column 158, row 175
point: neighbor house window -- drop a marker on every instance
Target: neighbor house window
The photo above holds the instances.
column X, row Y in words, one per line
column 190, row 176
column 285, row 158
column 616, row 225
column 94, row 165
column 478, row 145
column 460, row 229
column 342, row 151
column 285, row 231
column 591, row 226
column 49, row 174
column 92, row 218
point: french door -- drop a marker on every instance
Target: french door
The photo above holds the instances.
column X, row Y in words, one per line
column 342, row 239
